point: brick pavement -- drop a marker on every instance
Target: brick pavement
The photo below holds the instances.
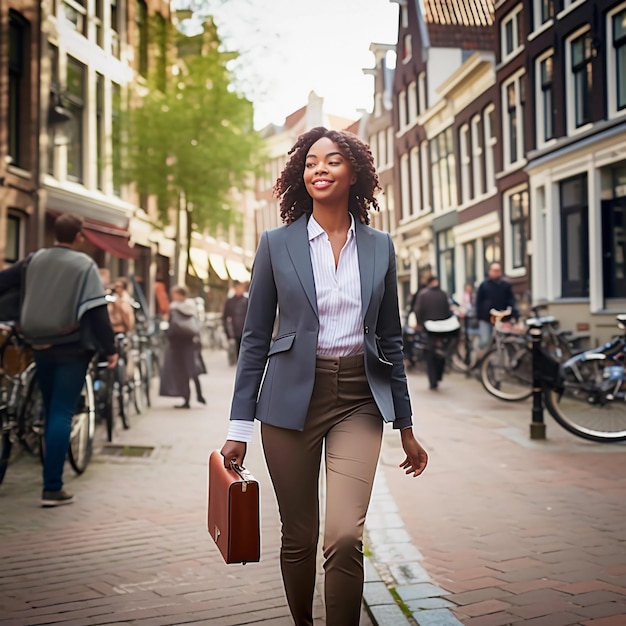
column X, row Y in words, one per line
column 133, row 548
column 509, row 530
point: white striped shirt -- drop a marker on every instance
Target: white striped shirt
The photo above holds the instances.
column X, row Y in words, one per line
column 338, row 292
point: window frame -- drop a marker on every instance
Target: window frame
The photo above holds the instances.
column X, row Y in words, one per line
column 541, row 104
column 573, row 124
column 77, row 104
column 491, row 139
column 516, row 80
column 513, row 18
column 18, row 71
column 477, row 157
column 466, row 163
column 539, row 19
column 613, row 74
column 516, row 227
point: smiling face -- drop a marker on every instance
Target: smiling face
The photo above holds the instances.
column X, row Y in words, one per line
column 328, row 175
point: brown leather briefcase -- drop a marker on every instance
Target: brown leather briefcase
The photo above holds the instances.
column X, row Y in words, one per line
column 233, row 511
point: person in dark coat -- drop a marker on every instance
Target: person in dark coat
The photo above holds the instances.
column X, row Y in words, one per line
column 180, row 361
column 234, row 315
column 494, row 293
column 433, row 305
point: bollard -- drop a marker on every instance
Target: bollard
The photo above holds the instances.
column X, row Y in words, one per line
column 537, row 425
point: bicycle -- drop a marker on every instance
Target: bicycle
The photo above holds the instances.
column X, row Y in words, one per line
column 506, row 366
column 22, row 413
column 586, row 394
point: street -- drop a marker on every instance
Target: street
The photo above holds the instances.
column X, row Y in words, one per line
column 499, row 529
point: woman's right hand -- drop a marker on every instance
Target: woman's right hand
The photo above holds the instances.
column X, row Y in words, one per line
column 234, row 451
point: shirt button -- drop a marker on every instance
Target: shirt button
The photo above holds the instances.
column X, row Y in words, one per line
column 366, row 329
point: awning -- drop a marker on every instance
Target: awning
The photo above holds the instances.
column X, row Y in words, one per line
column 199, row 263
column 217, row 263
column 238, row 271
column 111, row 239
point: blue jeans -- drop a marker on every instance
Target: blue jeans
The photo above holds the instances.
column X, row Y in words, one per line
column 61, row 383
column 484, row 333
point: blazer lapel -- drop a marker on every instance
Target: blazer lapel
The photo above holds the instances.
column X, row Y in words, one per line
column 297, row 241
column 367, row 263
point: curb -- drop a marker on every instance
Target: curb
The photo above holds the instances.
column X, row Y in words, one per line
column 397, row 589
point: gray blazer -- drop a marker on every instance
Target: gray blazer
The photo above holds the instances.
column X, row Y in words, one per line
column 275, row 373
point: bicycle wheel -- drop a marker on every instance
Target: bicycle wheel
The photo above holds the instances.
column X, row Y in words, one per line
column 31, row 421
column 585, row 410
column 5, row 452
column 121, row 391
column 139, row 396
column 507, row 373
column 144, row 370
column 83, row 428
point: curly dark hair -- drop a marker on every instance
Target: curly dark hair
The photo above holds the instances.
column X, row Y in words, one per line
column 294, row 198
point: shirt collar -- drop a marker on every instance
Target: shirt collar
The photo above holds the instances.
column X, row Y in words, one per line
column 315, row 230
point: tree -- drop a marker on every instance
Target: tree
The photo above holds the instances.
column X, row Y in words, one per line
column 189, row 140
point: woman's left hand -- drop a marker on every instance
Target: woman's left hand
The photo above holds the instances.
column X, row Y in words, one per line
column 416, row 457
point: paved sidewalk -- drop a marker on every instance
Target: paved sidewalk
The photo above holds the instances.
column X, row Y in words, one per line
column 133, row 548
column 501, row 529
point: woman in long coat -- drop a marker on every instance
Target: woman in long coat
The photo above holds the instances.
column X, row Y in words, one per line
column 180, row 361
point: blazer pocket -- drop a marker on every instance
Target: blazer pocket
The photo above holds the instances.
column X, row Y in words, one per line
column 382, row 358
column 282, row 344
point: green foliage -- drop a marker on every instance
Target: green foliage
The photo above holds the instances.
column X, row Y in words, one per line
column 190, row 134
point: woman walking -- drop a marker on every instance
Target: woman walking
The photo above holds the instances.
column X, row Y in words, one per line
column 332, row 374
column 180, row 361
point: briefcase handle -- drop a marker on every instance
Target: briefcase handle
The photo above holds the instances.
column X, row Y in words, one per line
column 241, row 471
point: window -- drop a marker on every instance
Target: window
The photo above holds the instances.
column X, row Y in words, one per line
column 511, row 37
column 490, row 146
column 382, row 149
column 445, row 258
column 617, row 60
column 513, row 131
column 402, row 109
column 425, row 176
column 412, row 107
column 141, row 23
column 580, row 54
column 469, row 262
column 374, row 151
column 544, row 11
column 574, row 238
column 161, row 51
column 465, row 163
column 98, row 21
column 491, row 250
column 76, row 74
column 115, row 29
column 415, row 180
column 55, row 88
column 100, row 136
column 390, row 140
column 19, row 67
column 477, row 157
column 76, row 14
column 116, row 132
column 405, row 186
column 517, row 231
column 422, row 100
column 407, row 49
column 545, row 99
column 443, row 170
column 13, row 239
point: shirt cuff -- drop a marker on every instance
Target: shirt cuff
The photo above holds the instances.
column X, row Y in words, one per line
column 240, row 430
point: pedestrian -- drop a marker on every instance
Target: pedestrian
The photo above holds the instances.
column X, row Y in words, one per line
column 180, row 362
column 493, row 293
column 332, row 374
column 121, row 307
column 433, row 305
column 64, row 318
column 161, row 297
column 234, row 315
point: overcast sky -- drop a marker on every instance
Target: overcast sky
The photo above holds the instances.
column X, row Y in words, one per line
column 290, row 47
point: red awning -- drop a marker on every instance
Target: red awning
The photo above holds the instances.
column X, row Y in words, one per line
column 109, row 238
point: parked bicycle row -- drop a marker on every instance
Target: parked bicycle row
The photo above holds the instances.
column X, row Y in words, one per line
column 584, row 390
column 109, row 396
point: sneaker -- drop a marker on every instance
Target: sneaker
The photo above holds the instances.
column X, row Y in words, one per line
column 56, row 498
